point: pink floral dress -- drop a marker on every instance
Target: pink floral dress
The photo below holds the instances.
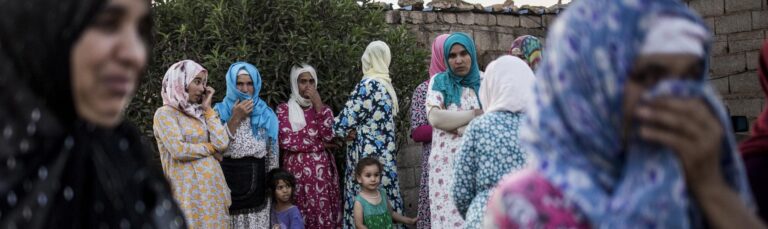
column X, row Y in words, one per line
column 317, row 187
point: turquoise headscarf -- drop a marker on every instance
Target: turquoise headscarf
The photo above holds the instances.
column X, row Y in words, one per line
column 262, row 116
column 451, row 84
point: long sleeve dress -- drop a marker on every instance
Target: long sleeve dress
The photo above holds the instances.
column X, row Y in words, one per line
column 369, row 112
column 317, row 182
column 490, row 149
column 186, row 147
column 445, row 146
column 245, row 146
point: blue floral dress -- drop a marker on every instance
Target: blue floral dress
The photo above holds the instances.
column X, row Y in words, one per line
column 490, row 150
column 369, row 112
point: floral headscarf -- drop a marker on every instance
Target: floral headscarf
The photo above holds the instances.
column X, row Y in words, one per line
column 175, row 83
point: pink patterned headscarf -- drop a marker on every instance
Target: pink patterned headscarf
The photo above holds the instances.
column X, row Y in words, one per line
column 437, row 64
column 175, row 83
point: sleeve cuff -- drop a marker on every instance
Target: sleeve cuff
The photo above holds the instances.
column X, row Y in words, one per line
column 208, row 113
column 231, row 136
column 210, row 148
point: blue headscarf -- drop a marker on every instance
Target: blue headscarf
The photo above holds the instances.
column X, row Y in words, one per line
column 451, row 84
column 575, row 125
column 262, row 116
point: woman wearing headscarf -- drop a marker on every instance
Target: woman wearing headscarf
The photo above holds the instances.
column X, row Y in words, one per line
column 452, row 102
column 664, row 161
column 421, row 131
column 69, row 159
column 305, row 127
column 370, row 112
column 754, row 150
column 491, row 146
column 190, row 137
column 253, row 150
column 527, row 48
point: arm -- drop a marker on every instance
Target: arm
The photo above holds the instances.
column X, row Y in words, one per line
column 689, row 128
column 449, row 120
column 296, row 221
column 168, row 134
column 354, row 110
column 357, row 213
column 421, row 131
column 724, row 208
column 273, row 158
column 464, row 172
column 398, row 218
column 217, row 135
column 325, row 121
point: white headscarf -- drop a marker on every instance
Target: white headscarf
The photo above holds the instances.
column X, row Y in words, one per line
column 507, row 85
column 376, row 59
column 672, row 35
column 296, row 102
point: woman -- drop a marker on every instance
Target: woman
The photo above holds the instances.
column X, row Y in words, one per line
column 253, row 150
column 69, row 159
column 664, row 161
column 369, row 113
column 490, row 145
column 452, row 102
column 421, row 131
column 190, row 138
column 753, row 150
column 305, row 127
column 527, row 48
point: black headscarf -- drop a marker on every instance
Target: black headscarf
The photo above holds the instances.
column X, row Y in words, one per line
column 56, row 170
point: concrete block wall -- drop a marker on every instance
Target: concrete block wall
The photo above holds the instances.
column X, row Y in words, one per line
column 493, row 33
column 739, row 26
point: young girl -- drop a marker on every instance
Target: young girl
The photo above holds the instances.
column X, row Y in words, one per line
column 288, row 215
column 371, row 210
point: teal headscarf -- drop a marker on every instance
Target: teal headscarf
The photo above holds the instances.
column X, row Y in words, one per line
column 262, row 116
column 451, row 84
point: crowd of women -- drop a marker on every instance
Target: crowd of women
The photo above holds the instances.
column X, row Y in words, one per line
column 617, row 127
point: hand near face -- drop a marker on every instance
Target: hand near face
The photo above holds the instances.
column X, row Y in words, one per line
column 690, row 129
column 208, row 97
column 241, row 110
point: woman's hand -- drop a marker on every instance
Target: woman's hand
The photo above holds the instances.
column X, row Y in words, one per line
column 241, row 110
column 207, row 97
column 351, row 135
column 314, row 97
column 478, row 112
column 689, row 128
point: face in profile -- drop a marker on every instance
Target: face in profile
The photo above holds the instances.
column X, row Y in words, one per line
column 107, row 60
column 196, row 88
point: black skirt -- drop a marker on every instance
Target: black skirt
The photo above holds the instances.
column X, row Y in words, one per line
column 247, row 180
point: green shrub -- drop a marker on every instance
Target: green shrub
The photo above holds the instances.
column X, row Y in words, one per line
column 331, row 35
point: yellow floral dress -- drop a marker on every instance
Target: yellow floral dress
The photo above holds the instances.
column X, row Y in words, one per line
column 186, row 147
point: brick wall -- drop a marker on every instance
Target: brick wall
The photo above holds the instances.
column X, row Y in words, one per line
column 740, row 26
